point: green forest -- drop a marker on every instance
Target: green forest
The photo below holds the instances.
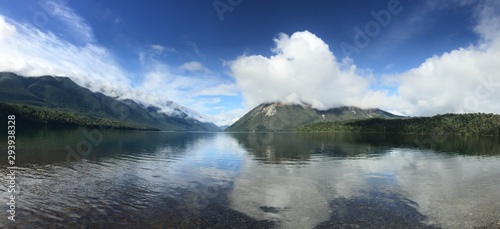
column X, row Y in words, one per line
column 35, row 116
column 451, row 124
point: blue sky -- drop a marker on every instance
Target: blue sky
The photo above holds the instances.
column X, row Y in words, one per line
column 223, row 61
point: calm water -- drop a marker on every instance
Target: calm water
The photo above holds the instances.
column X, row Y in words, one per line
column 199, row 180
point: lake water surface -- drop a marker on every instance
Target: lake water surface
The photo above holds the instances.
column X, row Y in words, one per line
column 135, row 179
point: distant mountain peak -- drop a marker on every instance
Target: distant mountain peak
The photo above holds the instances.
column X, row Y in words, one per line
column 270, row 110
column 282, row 116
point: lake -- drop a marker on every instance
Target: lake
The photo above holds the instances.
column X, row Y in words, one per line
column 127, row 179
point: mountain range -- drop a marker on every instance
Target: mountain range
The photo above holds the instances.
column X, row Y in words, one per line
column 287, row 117
column 63, row 94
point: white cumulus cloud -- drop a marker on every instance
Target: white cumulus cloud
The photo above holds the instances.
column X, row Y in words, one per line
column 463, row 80
column 303, row 70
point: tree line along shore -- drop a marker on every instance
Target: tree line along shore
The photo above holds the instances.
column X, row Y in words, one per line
column 450, row 124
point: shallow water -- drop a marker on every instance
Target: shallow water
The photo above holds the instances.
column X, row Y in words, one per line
column 242, row 180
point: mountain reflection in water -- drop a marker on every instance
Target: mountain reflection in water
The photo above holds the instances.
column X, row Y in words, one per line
column 255, row 180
